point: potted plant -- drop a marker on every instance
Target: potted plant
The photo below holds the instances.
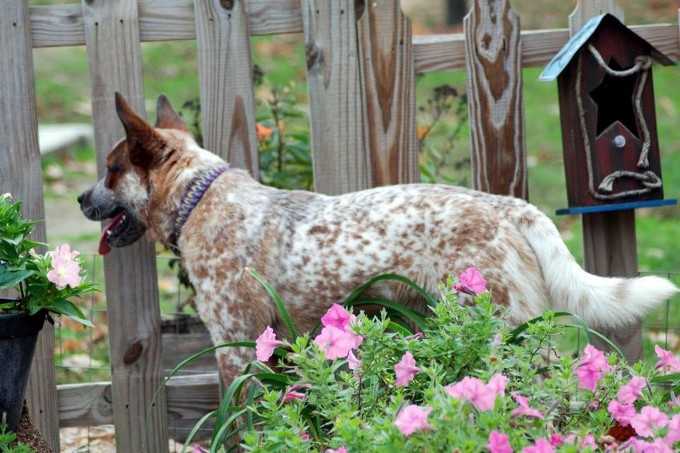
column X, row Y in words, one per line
column 33, row 285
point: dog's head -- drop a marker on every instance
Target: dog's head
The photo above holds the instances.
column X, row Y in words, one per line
column 139, row 169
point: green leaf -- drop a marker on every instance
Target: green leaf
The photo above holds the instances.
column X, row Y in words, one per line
column 280, row 305
column 220, row 435
column 195, row 429
column 11, row 278
column 68, row 309
column 409, row 314
column 356, row 293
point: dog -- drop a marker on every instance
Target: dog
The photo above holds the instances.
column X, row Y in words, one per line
column 314, row 249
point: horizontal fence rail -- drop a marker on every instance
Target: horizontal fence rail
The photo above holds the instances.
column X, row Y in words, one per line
column 173, row 20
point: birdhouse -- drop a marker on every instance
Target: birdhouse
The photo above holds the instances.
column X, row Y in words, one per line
column 610, row 143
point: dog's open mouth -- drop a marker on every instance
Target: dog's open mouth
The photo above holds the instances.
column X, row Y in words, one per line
column 118, row 225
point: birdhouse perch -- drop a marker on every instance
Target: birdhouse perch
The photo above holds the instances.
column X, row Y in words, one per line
column 609, row 136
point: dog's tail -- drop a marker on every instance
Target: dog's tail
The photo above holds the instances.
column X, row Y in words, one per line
column 602, row 302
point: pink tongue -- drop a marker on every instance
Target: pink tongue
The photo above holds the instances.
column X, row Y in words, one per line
column 104, row 246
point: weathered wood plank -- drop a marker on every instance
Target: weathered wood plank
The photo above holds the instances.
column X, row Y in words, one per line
column 160, row 20
column 388, row 81
column 225, row 71
column 114, row 55
column 609, row 241
column 494, row 89
column 585, row 9
column 188, row 399
column 441, row 52
column 21, row 175
column 336, row 104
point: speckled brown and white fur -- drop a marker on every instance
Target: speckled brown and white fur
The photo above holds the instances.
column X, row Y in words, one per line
column 314, row 249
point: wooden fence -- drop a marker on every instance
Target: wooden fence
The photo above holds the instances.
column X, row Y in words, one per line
column 361, row 65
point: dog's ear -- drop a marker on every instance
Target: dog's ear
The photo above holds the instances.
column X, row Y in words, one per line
column 166, row 117
column 144, row 143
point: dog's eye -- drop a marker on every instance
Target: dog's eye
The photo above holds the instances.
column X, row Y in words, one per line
column 115, row 168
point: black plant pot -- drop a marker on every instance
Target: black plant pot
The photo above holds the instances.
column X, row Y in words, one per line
column 18, row 336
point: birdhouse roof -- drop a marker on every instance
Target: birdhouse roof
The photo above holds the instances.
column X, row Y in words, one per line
column 562, row 59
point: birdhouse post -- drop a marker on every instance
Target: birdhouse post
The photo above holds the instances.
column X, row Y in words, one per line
column 610, row 144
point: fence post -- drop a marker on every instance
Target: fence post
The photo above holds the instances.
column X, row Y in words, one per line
column 340, row 159
column 21, row 174
column 609, row 241
column 114, row 56
column 226, row 75
column 495, row 104
column 388, row 82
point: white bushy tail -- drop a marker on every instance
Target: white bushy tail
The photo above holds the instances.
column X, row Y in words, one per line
column 601, row 301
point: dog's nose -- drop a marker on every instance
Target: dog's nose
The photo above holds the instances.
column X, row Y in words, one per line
column 80, row 198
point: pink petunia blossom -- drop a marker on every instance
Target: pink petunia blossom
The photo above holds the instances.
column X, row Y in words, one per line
column 648, row 420
column 293, row 394
column 673, row 434
column 591, row 368
column 470, row 282
column 337, row 450
column 406, row 369
column 641, row 446
column 352, row 362
column 622, row 413
column 337, row 316
column 337, row 343
column 556, row 440
column 630, row 392
column 473, row 390
column 65, row 270
column 195, row 448
column 497, row 384
column 412, row 418
column 498, row 443
column 524, row 408
column 588, row 442
column 668, row 362
column 541, row 445
column 265, row 344
column 304, row 435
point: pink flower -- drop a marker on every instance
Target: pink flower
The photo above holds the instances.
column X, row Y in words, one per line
column 668, row 362
column 471, row 282
column 497, row 384
column 337, row 343
column 195, row 448
column 648, row 420
column 556, row 440
column 352, row 362
column 412, row 418
column 622, row 413
column 498, row 443
column 541, row 446
column 265, row 344
column 337, row 316
column 673, row 431
column 591, row 368
column 473, row 390
column 629, row 393
column 588, row 442
column 65, row 269
column 640, row 446
column 293, row 394
column 337, row 450
column 524, row 408
column 304, row 435
column 406, row 369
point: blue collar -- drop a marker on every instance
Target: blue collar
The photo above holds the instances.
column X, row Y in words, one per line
column 192, row 196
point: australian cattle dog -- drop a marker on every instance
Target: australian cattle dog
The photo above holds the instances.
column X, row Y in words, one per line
column 314, row 249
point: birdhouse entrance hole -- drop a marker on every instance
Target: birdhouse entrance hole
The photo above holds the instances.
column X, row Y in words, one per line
column 615, row 98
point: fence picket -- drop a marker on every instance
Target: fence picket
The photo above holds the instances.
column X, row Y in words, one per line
column 226, row 75
column 496, row 109
column 388, row 81
column 339, row 153
column 21, row 175
column 114, row 54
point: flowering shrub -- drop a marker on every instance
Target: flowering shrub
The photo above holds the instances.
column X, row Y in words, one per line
column 41, row 281
column 463, row 381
